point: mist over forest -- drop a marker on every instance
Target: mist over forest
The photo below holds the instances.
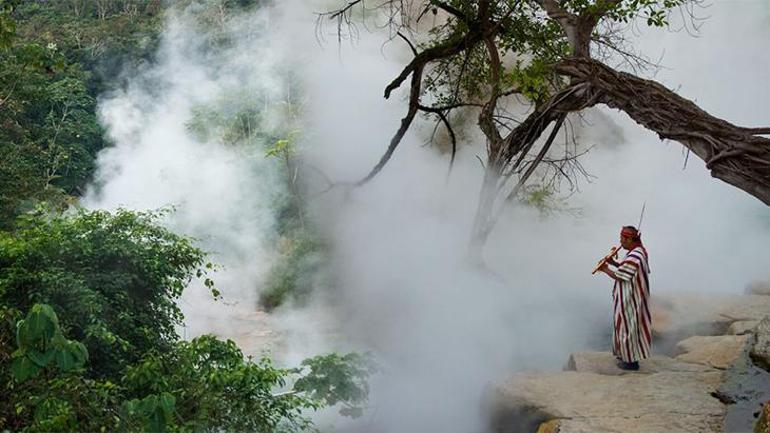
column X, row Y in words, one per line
column 212, row 219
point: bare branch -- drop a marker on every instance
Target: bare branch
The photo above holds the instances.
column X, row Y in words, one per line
column 453, row 138
column 411, row 46
column 341, row 12
column 440, row 51
column 451, row 10
column 533, row 165
column 414, row 103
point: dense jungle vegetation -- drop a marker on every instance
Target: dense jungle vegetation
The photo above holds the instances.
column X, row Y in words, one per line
column 88, row 313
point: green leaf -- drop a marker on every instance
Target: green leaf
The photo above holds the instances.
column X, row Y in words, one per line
column 167, row 403
column 157, row 422
column 38, row 328
column 42, row 359
column 72, row 356
column 23, row 368
column 65, row 360
column 148, row 404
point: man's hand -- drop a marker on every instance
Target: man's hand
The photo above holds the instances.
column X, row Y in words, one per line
column 606, row 269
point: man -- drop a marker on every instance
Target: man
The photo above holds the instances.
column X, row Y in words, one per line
column 632, row 334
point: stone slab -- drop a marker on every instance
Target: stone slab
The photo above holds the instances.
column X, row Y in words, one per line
column 591, row 402
column 718, row 351
column 604, row 363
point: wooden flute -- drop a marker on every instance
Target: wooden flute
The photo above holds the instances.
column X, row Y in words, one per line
column 613, row 252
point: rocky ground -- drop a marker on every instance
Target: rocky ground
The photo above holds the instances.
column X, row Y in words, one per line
column 710, row 376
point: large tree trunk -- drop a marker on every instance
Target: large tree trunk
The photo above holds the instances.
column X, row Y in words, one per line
column 734, row 154
column 483, row 220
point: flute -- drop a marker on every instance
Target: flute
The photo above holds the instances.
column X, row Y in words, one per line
column 613, row 252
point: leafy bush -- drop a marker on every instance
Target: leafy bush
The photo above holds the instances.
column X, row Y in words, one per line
column 116, row 276
column 97, row 350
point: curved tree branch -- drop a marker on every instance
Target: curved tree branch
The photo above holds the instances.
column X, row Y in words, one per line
column 414, row 103
column 441, row 113
column 734, row 154
column 440, row 51
column 533, row 165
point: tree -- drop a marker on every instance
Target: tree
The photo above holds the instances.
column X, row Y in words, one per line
column 550, row 56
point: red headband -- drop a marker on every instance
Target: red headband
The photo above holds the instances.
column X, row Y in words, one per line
column 630, row 233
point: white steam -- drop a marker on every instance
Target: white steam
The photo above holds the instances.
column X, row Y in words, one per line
column 441, row 330
column 222, row 192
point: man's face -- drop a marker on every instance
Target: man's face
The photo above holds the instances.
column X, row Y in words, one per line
column 626, row 241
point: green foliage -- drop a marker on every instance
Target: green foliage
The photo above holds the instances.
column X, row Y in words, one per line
column 103, row 37
column 7, row 23
column 545, row 199
column 240, row 120
column 532, row 42
column 42, row 377
column 211, row 18
column 35, row 108
column 235, row 119
column 152, row 413
column 96, row 266
column 41, row 344
column 283, row 148
column 334, row 379
column 109, row 282
column 303, row 260
column 55, row 58
column 214, row 388
column 299, row 269
column 654, row 12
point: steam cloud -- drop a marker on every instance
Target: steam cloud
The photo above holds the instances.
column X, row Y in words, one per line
column 441, row 329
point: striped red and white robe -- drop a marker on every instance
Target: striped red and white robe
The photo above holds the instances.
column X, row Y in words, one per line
column 632, row 336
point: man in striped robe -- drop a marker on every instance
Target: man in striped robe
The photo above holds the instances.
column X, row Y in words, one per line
column 632, row 334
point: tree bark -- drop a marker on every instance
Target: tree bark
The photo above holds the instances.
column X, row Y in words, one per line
column 482, row 221
column 734, row 154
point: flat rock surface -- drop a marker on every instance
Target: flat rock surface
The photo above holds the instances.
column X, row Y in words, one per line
column 749, row 307
column 589, row 402
column 676, row 423
column 718, row 351
column 742, row 327
column 604, row 363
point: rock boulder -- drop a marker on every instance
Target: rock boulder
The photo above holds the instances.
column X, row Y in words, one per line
column 718, row 351
column 758, row 288
column 760, row 348
column 742, row 327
